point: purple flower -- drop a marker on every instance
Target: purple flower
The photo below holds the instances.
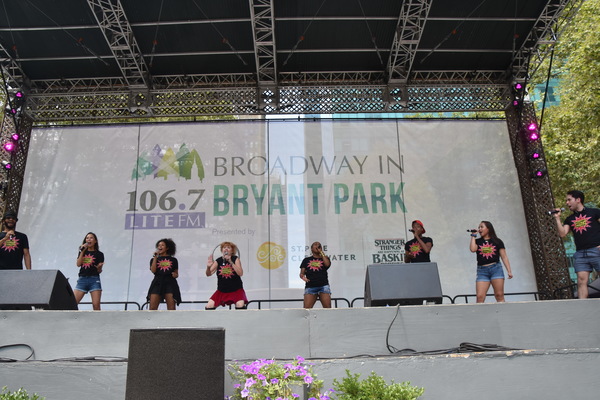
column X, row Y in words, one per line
column 274, row 381
column 300, row 359
column 261, row 377
column 245, row 393
column 249, row 382
column 308, row 379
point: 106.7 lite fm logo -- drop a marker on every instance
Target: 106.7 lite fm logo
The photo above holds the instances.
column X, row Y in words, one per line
column 166, row 210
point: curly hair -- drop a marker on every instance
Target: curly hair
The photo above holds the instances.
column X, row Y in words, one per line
column 171, row 246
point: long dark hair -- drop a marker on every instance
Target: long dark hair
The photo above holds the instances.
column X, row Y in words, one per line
column 171, row 246
column 96, row 246
column 491, row 230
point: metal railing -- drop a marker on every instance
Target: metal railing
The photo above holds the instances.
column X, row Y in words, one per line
column 334, row 301
column 125, row 303
column 354, row 300
column 467, row 296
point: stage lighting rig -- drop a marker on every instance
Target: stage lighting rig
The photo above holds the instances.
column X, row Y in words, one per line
column 6, row 165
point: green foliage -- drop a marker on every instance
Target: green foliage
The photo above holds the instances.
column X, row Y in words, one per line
column 373, row 388
column 20, row 394
column 571, row 130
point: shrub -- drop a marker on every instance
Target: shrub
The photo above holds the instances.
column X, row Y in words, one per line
column 373, row 388
column 20, row 394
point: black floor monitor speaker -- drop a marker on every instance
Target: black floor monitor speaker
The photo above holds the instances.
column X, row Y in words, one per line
column 404, row 284
column 176, row 363
column 35, row 289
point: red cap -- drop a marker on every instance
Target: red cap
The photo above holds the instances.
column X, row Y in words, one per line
column 420, row 223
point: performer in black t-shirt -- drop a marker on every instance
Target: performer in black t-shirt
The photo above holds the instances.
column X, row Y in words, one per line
column 584, row 223
column 490, row 249
column 166, row 271
column 14, row 246
column 417, row 249
column 313, row 271
column 230, row 289
column 90, row 261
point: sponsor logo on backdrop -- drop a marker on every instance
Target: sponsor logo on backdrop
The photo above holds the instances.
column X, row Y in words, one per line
column 388, row 251
column 298, row 253
column 168, row 209
column 270, row 255
column 175, row 207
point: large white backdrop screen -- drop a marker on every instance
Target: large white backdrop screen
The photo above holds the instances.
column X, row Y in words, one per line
column 272, row 188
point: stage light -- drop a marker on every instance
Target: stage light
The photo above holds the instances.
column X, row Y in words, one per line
column 532, row 126
column 518, row 86
column 533, row 136
column 15, row 137
column 6, row 164
column 535, row 155
column 539, row 173
column 10, row 146
column 19, row 95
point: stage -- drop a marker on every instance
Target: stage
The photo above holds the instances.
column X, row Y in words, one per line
column 80, row 354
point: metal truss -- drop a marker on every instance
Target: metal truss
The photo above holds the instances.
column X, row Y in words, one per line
column 12, row 74
column 261, row 12
column 539, row 43
column 311, row 99
column 409, row 29
column 547, row 249
column 119, row 36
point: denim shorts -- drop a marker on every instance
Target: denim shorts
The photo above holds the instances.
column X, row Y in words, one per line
column 319, row 289
column 489, row 272
column 585, row 260
column 88, row 283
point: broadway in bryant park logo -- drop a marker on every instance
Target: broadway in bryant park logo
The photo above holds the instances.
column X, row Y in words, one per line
column 160, row 163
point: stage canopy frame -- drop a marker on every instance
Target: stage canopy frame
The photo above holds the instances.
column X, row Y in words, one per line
column 99, row 61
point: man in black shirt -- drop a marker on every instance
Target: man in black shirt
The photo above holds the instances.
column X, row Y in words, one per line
column 584, row 223
column 14, row 246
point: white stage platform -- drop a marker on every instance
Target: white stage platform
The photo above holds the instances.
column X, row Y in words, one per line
column 559, row 345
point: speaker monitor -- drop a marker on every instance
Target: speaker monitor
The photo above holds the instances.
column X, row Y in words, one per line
column 35, row 289
column 176, row 363
column 404, row 284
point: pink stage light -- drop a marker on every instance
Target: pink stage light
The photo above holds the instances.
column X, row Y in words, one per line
column 9, row 146
column 15, row 137
column 535, row 155
column 6, row 165
column 533, row 136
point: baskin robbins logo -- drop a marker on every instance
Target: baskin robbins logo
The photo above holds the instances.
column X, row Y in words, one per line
column 171, row 207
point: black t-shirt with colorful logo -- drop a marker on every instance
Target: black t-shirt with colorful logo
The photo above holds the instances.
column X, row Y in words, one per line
column 91, row 259
column 165, row 265
column 316, row 272
column 11, row 252
column 227, row 279
column 413, row 247
column 585, row 228
column 488, row 250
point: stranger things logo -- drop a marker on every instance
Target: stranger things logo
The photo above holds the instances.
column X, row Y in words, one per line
column 388, row 251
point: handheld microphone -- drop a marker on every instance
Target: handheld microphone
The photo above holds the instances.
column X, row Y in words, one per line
column 411, row 230
column 81, row 247
column 471, row 230
column 554, row 211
